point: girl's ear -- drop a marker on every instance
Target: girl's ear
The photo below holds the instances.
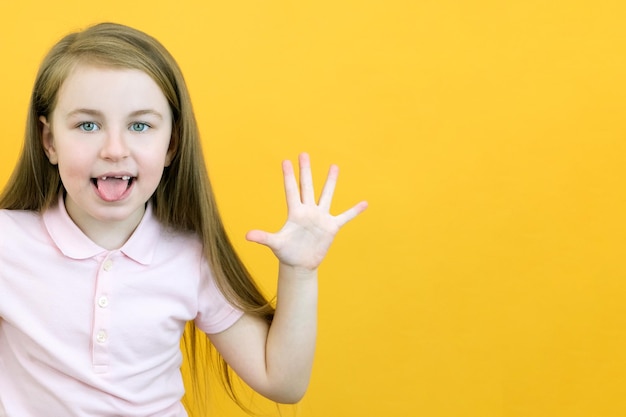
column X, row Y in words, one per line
column 168, row 157
column 48, row 141
column 171, row 152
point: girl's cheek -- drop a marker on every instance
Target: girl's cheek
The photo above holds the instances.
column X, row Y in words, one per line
column 72, row 169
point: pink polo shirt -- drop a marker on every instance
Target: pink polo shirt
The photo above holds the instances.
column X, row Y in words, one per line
column 89, row 332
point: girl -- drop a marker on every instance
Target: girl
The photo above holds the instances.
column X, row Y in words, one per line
column 110, row 242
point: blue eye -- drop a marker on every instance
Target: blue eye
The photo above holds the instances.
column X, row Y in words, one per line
column 139, row 127
column 88, row 126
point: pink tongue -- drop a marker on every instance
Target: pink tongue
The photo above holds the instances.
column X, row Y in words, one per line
column 112, row 189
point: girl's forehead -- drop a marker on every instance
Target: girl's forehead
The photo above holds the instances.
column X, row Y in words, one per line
column 103, row 88
column 88, row 72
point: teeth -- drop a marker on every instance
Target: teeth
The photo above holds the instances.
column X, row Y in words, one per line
column 124, row 177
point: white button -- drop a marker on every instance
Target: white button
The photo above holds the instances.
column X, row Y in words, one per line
column 101, row 337
column 108, row 264
column 103, row 301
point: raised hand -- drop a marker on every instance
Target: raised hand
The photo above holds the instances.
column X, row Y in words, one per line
column 304, row 239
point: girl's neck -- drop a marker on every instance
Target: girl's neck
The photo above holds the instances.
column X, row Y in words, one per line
column 109, row 235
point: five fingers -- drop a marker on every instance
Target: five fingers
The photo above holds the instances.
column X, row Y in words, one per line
column 304, row 193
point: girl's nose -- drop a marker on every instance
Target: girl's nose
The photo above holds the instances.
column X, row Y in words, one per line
column 114, row 147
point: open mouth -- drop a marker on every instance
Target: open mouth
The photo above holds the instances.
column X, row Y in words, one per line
column 113, row 188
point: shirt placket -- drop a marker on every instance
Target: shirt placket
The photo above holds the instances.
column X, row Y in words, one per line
column 102, row 315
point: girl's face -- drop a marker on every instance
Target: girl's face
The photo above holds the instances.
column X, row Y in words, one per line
column 109, row 134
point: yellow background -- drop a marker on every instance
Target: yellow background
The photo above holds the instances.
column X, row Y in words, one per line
column 487, row 277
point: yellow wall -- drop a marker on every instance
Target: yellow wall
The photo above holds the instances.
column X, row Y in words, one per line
column 487, row 278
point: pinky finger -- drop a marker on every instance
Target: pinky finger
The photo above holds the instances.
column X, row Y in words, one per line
column 351, row 213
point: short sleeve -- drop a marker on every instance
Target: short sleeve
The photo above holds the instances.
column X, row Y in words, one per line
column 3, row 234
column 215, row 313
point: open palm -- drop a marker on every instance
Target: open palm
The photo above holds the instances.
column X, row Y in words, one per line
column 304, row 239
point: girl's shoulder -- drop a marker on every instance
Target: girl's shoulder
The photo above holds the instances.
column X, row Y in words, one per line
column 172, row 240
column 174, row 234
column 17, row 227
column 18, row 218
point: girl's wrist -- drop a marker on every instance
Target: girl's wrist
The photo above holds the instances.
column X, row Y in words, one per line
column 297, row 272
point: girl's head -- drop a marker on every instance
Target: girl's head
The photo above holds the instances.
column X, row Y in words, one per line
column 111, row 46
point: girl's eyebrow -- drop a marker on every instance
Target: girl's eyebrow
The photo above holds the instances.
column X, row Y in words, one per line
column 92, row 112
column 146, row 111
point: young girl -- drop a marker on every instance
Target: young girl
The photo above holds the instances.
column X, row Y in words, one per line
column 110, row 242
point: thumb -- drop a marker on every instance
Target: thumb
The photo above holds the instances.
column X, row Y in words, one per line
column 259, row 236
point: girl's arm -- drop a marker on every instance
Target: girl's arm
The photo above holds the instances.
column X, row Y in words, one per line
column 276, row 360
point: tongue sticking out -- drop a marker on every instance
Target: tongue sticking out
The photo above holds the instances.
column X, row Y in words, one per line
column 112, row 189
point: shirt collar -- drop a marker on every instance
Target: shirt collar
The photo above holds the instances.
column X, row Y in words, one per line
column 73, row 243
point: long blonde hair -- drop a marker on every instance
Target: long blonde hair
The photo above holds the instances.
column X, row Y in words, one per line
column 183, row 199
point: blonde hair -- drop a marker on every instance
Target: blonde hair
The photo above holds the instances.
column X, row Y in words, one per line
column 183, row 199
